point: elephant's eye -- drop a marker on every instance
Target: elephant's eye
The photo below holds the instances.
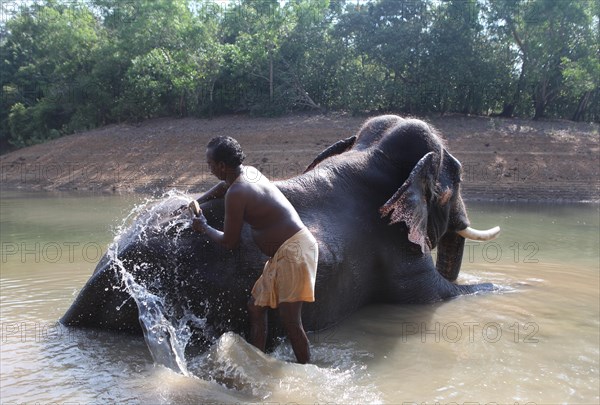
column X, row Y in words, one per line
column 445, row 196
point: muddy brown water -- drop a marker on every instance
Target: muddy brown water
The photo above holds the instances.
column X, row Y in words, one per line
column 535, row 342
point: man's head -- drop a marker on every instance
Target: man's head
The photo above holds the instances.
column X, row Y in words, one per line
column 223, row 153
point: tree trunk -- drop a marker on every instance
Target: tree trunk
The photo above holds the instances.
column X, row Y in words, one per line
column 303, row 98
column 582, row 106
column 507, row 110
column 542, row 96
column 509, row 107
column 210, row 103
column 270, row 77
column 539, row 102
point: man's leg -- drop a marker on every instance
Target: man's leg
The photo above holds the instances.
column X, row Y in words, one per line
column 291, row 317
column 258, row 324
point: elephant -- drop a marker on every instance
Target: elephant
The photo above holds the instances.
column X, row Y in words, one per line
column 377, row 202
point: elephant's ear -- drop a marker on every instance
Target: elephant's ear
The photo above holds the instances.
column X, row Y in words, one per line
column 410, row 203
column 337, row 148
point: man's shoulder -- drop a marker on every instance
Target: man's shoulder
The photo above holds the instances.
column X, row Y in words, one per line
column 243, row 188
column 237, row 188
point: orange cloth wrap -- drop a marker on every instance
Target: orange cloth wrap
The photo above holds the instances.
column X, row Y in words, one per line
column 289, row 276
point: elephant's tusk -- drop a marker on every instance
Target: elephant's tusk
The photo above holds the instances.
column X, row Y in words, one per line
column 474, row 234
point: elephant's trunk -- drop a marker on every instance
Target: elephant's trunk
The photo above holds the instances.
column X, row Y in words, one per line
column 449, row 255
column 474, row 234
column 451, row 247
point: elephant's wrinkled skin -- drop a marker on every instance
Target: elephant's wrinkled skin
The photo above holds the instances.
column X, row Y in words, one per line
column 377, row 203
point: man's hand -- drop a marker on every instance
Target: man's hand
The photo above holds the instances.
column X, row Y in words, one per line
column 194, row 208
column 199, row 223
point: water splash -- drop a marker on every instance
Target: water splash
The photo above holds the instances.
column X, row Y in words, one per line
column 339, row 372
column 165, row 335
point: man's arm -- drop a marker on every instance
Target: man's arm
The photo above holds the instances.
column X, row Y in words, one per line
column 217, row 191
column 234, row 220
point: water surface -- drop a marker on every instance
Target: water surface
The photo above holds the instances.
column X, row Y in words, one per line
column 537, row 341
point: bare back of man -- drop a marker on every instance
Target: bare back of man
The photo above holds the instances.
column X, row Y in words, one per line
column 273, row 221
column 251, row 198
column 271, row 216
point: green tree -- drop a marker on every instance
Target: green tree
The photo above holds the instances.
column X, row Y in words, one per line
column 284, row 57
column 361, row 79
column 67, row 66
column 165, row 54
column 49, row 53
column 392, row 35
column 581, row 68
column 546, row 33
column 582, row 82
column 306, row 62
column 459, row 60
column 255, row 30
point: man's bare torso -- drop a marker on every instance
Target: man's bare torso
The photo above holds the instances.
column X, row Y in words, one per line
column 271, row 216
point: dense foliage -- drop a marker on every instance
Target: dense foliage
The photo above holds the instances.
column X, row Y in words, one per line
column 73, row 65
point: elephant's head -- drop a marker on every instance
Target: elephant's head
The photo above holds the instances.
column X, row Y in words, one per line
column 428, row 199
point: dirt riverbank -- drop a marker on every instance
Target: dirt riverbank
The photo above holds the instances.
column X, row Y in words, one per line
column 503, row 159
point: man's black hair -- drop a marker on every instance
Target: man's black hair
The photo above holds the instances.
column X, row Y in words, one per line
column 227, row 150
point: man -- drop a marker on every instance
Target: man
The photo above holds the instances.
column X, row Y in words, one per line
column 288, row 277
